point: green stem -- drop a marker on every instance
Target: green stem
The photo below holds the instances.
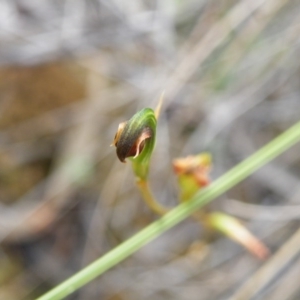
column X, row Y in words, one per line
column 149, row 199
column 176, row 215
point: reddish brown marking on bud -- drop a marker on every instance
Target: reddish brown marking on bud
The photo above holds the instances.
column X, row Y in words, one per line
column 130, row 145
column 139, row 144
column 197, row 166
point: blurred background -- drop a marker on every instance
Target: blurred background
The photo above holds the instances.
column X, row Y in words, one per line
column 72, row 70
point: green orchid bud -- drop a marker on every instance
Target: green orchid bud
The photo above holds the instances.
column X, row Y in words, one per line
column 232, row 228
column 135, row 139
column 193, row 174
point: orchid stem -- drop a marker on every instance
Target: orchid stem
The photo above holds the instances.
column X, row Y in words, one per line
column 149, row 198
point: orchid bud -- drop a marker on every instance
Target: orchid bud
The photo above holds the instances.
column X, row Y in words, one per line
column 192, row 172
column 232, row 228
column 135, row 139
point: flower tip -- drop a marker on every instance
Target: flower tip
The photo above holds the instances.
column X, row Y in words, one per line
column 159, row 105
column 121, row 155
column 118, row 134
column 122, row 160
column 259, row 250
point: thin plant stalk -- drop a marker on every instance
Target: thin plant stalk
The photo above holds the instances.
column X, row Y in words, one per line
column 176, row 215
column 149, row 199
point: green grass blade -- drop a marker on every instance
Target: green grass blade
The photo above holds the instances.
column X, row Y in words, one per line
column 179, row 213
